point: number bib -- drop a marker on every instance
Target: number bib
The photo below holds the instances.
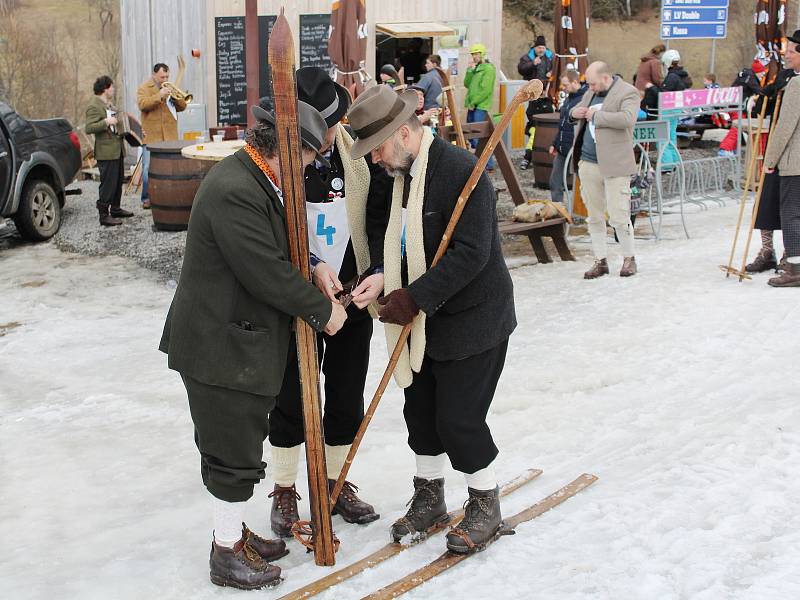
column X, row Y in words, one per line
column 328, row 231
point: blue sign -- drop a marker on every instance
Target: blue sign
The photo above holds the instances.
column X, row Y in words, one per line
column 695, row 3
column 693, row 31
column 694, row 19
column 694, row 15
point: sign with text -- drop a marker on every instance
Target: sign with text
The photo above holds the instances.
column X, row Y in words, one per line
column 314, row 31
column 729, row 96
column 650, row 131
column 694, row 19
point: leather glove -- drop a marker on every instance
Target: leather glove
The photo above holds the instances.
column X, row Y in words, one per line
column 397, row 307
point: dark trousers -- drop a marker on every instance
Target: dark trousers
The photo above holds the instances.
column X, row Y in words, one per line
column 229, row 429
column 344, row 359
column 446, row 407
column 111, row 173
column 790, row 214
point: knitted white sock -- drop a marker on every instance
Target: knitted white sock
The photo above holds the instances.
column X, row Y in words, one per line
column 430, row 467
column 284, row 465
column 228, row 517
column 482, row 480
column 334, row 459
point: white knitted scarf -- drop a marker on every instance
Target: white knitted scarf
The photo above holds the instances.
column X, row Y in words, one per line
column 357, row 179
column 412, row 355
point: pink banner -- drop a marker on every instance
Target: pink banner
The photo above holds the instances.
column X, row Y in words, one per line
column 698, row 98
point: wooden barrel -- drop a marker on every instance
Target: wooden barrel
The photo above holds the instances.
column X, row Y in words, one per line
column 546, row 131
column 172, row 184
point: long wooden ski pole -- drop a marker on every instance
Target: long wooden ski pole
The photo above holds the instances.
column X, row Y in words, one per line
column 755, row 149
column 531, row 91
column 757, row 202
column 281, row 60
column 452, row 107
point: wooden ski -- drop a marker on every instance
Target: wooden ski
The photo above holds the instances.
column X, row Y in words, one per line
column 393, row 548
column 451, row 559
column 281, row 60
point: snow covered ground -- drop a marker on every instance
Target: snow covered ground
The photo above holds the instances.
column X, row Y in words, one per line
column 678, row 388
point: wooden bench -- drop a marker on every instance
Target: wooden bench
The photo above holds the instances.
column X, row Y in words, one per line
column 552, row 228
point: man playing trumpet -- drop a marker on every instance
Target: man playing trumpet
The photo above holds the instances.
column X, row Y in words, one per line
column 159, row 117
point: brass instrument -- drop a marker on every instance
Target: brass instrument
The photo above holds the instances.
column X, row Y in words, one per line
column 175, row 91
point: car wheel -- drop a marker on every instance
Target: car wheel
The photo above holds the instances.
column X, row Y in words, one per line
column 39, row 215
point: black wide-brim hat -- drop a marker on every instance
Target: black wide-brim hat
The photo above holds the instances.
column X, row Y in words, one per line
column 315, row 86
column 795, row 37
column 312, row 126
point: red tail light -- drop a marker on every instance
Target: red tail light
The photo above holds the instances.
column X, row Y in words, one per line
column 73, row 137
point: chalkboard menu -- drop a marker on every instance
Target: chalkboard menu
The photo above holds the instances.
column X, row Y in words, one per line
column 231, row 80
column 231, row 71
column 314, row 41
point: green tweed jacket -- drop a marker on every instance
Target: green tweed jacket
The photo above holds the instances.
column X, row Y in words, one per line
column 232, row 315
column 107, row 145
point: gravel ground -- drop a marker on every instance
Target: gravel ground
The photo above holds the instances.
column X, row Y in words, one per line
column 162, row 251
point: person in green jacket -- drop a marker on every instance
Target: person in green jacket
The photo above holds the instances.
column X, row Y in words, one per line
column 479, row 81
column 108, row 151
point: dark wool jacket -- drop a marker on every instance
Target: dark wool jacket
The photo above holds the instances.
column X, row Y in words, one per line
column 468, row 296
column 231, row 318
column 566, row 128
column 529, row 70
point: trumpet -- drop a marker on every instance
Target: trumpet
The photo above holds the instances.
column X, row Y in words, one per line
column 176, row 93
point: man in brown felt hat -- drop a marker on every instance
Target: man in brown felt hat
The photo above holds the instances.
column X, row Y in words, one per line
column 462, row 311
column 229, row 333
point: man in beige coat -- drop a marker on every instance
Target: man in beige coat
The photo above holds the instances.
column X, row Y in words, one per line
column 783, row 152
column 603, row 152
column 159, row 117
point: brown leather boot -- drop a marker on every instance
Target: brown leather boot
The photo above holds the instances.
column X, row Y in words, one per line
column 482, row 520
column 269, row 550
column 599, row 269
column 120, row 213
column 109, row 221
column 351, row 507
column 789, row 278
column 284, row 510
column 241, row 567
column 763, row 262
column 426, row 509
column 628, row 267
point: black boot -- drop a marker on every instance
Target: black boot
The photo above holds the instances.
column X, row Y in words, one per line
column 765, row 261
column 269, row 550
column 241, row 567
column 106, row 219
column 426, row 509
column 352, row 508
column 481, row 522
column 284, row 510
column 120, row 213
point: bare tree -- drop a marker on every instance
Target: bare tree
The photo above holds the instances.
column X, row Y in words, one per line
column 7, row 7
column 105, row 12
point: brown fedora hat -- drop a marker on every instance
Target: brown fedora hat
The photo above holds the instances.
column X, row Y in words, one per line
column 377, row 114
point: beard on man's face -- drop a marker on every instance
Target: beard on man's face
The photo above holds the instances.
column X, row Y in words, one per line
column 403, row 159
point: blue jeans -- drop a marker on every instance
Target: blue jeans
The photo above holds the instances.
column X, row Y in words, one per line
column 476, row 115
column 145, row 169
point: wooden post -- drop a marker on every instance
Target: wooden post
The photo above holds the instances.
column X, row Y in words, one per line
column 281, row 60
column 452, row 107
column 251, row 56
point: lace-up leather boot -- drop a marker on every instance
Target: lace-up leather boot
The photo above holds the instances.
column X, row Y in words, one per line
column 426, row 509
column 763, row 262
column 269, row 550
column 284, row 510
column 599, row 269
column 241, row 567
column 481, row 522
column 352, row 508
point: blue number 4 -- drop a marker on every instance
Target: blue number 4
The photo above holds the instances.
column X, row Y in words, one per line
column 326, row 231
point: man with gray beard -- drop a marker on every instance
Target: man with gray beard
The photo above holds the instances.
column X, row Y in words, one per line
column 462, row 311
